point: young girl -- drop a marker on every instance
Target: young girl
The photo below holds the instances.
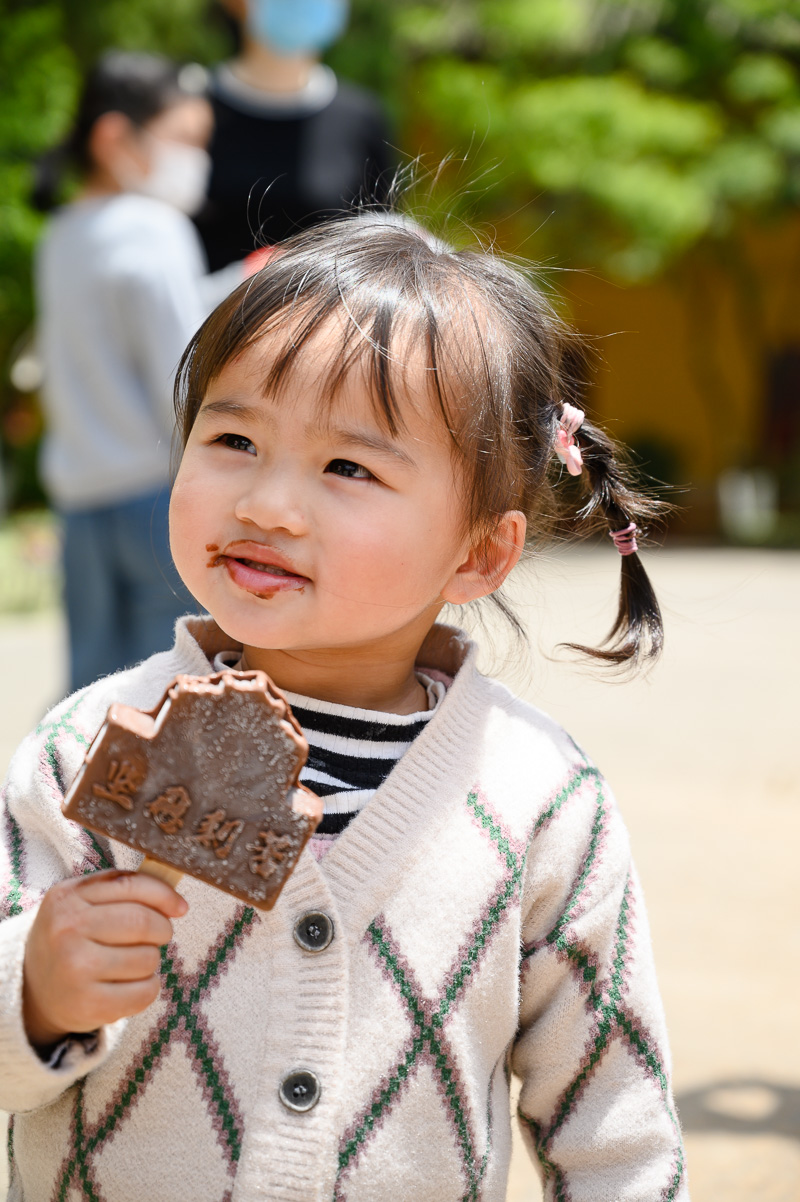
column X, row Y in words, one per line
column 369, row 427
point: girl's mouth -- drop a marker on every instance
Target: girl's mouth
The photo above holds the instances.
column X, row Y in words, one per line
column 265, row 567
column 261, row 576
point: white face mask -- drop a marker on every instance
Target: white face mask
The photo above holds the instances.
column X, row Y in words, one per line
column 178, row 175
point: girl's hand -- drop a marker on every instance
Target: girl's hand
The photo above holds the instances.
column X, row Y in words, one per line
column 92, row 954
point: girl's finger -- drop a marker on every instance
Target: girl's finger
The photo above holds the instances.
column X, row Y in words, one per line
column 123, row 964
column 127, row 924
column 102, row 888
column 119, row 999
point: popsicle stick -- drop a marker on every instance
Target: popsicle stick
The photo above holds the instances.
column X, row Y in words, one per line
column 162, row 872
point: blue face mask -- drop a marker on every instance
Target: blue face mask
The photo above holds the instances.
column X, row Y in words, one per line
column 297, row 26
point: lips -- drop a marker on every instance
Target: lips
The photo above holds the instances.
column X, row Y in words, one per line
column 260, row 570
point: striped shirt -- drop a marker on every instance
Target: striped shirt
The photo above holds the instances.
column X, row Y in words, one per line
column 350, row 751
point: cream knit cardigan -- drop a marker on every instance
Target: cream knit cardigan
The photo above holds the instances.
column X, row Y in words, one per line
column 487, row 921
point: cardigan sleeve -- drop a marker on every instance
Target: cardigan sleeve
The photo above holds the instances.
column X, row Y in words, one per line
column 39, row 847
column 596, row 1106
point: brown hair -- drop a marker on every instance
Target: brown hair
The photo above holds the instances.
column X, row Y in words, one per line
column 495, row 353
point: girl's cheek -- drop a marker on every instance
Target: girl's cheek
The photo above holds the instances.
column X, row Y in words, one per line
column 176, row 512
column 191, row 488
column 184, row 520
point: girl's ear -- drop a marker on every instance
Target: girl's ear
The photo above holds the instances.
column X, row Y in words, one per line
column 486, row 566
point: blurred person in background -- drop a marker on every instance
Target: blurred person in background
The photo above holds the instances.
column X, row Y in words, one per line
column 292, row 143
column 120, row 280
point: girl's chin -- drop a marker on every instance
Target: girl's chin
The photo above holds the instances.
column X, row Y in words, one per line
column 266, row 628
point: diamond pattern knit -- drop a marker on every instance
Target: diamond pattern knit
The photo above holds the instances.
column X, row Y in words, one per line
column 487, row 920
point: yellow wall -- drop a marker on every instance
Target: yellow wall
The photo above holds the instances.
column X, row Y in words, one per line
column 684, row 361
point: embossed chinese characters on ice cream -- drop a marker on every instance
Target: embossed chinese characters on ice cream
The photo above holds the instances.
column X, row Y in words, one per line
column 207, row 782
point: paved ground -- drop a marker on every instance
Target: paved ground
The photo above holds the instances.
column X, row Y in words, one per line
column 702, row 757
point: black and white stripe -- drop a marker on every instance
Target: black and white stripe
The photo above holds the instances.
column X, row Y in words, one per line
column 352, row 751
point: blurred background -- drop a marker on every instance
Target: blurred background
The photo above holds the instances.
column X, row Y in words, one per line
column 646, row 154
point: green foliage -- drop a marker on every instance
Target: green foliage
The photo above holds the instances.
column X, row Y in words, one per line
column 622, row 131
column 37, row 83
column 368, row 54
column 181, row 29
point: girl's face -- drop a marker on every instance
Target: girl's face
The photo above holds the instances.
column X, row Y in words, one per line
column 302, row 525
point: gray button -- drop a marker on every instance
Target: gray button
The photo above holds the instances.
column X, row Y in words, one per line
column 314, row 931
column 300, row 1090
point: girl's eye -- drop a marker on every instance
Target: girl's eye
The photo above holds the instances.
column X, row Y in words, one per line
column 237, row 442
column 348, row 469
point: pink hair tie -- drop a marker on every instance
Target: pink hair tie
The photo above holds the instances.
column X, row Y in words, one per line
column 567, row 449
column 625, row 540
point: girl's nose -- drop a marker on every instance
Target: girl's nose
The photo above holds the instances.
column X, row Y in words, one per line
column 273, row 500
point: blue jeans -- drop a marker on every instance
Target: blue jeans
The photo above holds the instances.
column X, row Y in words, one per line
column 121, row 589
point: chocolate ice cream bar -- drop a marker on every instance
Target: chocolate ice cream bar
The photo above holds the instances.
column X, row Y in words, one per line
column 205, row 784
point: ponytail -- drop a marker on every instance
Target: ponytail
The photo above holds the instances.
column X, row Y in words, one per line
column 623, row 513
column 49, row 171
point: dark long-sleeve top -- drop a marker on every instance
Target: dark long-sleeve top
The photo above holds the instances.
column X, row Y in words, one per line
column 280, row 163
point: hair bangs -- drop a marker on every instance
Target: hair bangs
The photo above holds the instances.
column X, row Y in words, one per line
column 393, row 338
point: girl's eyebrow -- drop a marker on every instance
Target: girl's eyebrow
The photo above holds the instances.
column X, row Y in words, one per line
column 371, row 441
column 230, row 409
